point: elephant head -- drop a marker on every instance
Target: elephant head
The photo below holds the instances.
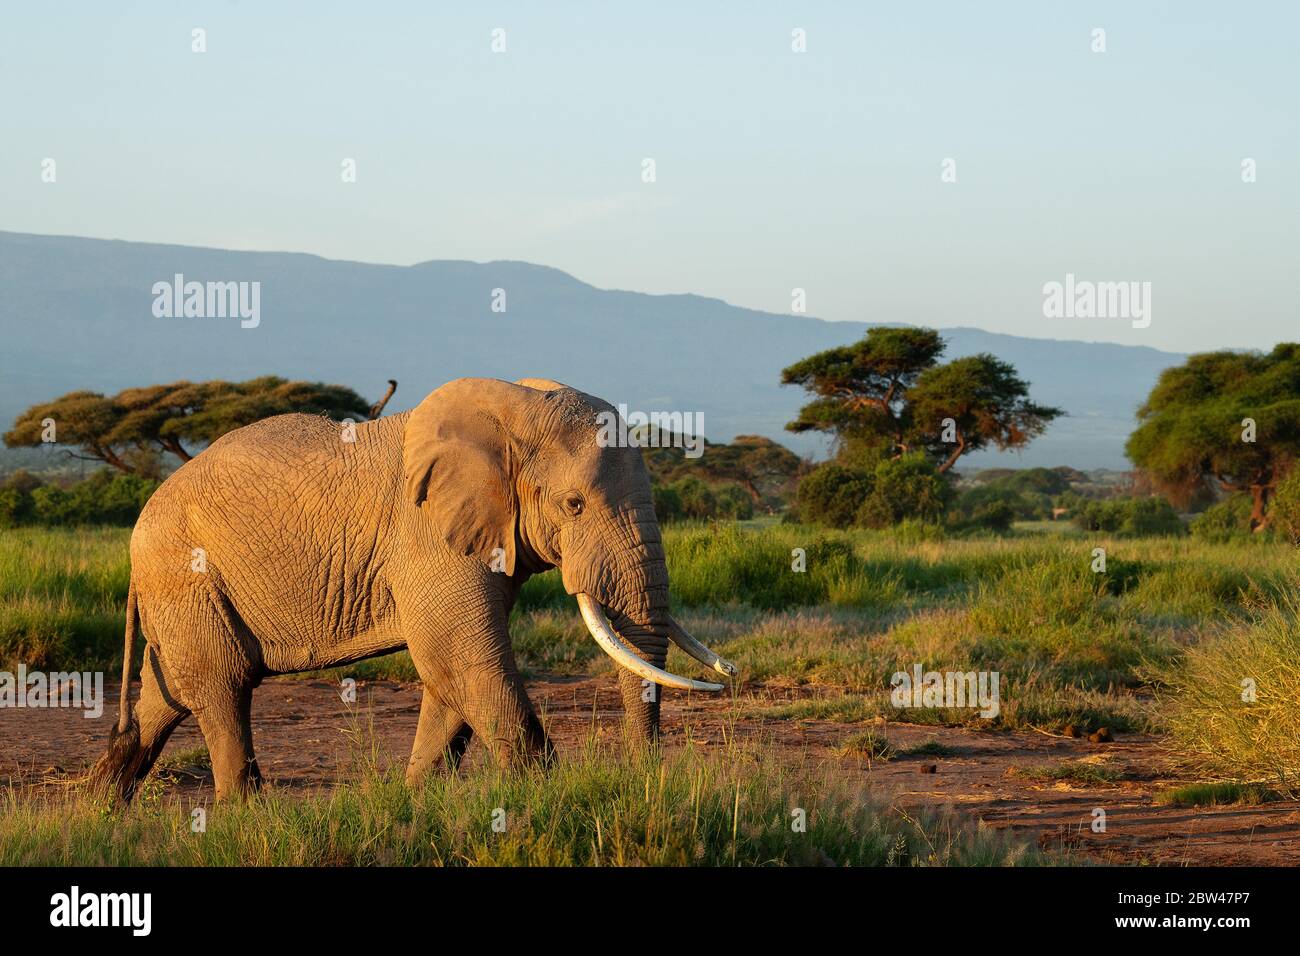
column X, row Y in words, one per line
column 518, row 475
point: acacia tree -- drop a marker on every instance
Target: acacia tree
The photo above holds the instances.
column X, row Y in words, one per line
column 168, row 416
column 859, row 389
column 888, row 393
column 1230, row 419
column 971, row 403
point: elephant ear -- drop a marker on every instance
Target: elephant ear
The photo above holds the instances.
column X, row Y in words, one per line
column 457, row 459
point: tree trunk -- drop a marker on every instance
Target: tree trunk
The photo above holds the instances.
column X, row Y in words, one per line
column 108, row 456
column 1258, row 516
column 377, row 409
column 956, row 453
column 176, row 448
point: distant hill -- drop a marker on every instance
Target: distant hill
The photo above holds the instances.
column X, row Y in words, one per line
column 77, row 313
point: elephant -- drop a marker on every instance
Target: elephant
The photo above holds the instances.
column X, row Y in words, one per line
column 298, row 543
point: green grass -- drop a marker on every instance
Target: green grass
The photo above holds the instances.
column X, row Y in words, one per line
column 1030, row 705
column 930, row 748
column 866, row 743
column 1233, row 705
column 739, row 807
column 63, row 596
column 192, row 758
column 1217, row 794
column 1078, row 771
column 1188, row 617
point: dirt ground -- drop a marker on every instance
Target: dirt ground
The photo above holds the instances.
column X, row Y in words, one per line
column 301, row 729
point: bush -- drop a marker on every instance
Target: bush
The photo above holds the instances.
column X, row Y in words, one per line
column 668, row 503
column 734, row 502
column 53, row 506
column 16, row 507
column 697, row 499
column 996, row 516
column 898, row 489
column 832, row 495
column 1128, row 517
column 1151, row 517
column 1286, row 509
column 103, row 498
column 906, row 487
column 691, row 498
column 992, row 499
column 1225, row 521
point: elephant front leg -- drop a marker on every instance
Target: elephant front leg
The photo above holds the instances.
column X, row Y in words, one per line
column 497, row 707
column 463, row 654
column 641, row 707
column 642, row 699
column 443, row 735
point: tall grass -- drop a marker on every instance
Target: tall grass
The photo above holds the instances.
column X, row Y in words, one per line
column 864, row 602
column 741, row 807
column 1072, row 645
column 1233, row 706
column 63, row 596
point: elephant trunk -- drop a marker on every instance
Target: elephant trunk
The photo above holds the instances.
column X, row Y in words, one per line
column 623, row 596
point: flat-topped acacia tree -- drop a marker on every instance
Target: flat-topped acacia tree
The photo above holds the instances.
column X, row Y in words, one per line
column 1231, row 419
column 888, row 394
column 173, row 417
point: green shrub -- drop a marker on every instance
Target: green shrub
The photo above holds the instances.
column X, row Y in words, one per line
column 996, row 516
column 1023, row 506
column 906, row 487
column 103, row 498
column 1128, row 517
column 668, row 503
column 1286, row 508
column 691, row 498
column 1225, row 521
column 832, row 495
column 16, row 507
column 54, row 506
column 734, row 502
column 1151, row 517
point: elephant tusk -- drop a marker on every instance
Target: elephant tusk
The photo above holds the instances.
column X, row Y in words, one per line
column 682, row 638
column 593, row 615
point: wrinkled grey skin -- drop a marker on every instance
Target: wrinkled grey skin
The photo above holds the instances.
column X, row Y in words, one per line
column 320, row 552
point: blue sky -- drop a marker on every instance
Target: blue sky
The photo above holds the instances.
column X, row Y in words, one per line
column 774, row 170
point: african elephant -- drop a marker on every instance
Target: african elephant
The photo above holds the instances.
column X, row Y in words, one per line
column 299, row 543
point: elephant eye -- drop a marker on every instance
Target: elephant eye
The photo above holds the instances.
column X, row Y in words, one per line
column 573, row 504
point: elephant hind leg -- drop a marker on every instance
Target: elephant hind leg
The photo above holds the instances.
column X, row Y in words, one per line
column 131, row 754
column 441, row 738
column 226, row 721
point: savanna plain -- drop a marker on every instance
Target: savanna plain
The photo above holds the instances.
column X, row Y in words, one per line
column 1146, row 716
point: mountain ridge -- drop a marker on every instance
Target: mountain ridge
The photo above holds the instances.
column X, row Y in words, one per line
column 77, row 314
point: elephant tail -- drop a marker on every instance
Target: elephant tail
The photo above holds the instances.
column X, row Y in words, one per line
column 113, row 775
column 132, row 618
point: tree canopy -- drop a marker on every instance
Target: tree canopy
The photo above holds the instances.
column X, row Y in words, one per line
column 172, row 417
column 888, row 393
column 1231, row 418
